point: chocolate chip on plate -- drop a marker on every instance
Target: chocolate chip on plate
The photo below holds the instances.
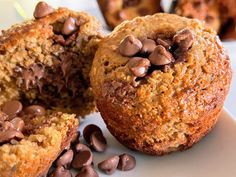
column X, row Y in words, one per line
column 130, row 46
column 160, row 56
column 81, row 147
column 18, row 123
column 65, row 159
column 88, row 130
column 36, row 110
column 61, row 172
column 109, row 166
column 139, row 66
column 98, row 142
column 127, row 162
column 82, row 158
column 42, row 9
column 148, row 46
column 12, row 108
column 87, row 171
column 69, row 26
column 184, row 39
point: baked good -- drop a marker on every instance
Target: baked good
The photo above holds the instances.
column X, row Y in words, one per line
column 160, row 82
column 47, row 60
column 117, row 11
column 31, row 138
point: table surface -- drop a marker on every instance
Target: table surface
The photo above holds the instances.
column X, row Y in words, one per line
column 13, row 11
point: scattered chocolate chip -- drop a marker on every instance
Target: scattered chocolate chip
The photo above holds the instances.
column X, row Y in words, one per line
column 88, row 130
column 9, row 134
column 87, row 171
column 164, row 42
column 18, row 124
column 81, row 147
column 61, row 172
column 98, row 141
column 148, row 46
column 69, row 26
column 139, row 66
column 184, row 39
column 75, row 138
column 65, row 159
column 36, row 110
column 109, row 166
column 12, row 108
column 127, row 162
column 160, row 56
column 42, row 9
column 130, row 46
column 82, row 158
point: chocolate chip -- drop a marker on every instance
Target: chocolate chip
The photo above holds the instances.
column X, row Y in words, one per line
column 82, row 158
column 61, row 172
column 127, row 162
column 148, row 46
column 160, row 56
column 87, row 171
column 42, row 9
column 18, row 124
column 88, row 130
column 139, row 66
column 164, row 42
column 81, row 147
column 98, row 142
column 109, row 166
column 9, row 134
column 69, row 26
column 184, row 39
column 12, row 108
column 130, row 46
column 36, row 110
column 75, row 138
column 65, row 159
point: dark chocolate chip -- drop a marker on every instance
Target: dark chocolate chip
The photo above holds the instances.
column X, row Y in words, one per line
column 88, row 130
column 184, row 39
column 98, row 141
column 9, row 134
column 82, row 158
column 148, row 46
column 69, row 26
column 81, row 147
column 36, row 110
column 130, row 46
column 164, row 42
column 65, row 159
column 18, row 124
column 127, row 162
column 42, row 9
column 160, row 56
column 109, row 166
column 61, row 172
column 12, row 108
column 139, row 66
column 87, row 171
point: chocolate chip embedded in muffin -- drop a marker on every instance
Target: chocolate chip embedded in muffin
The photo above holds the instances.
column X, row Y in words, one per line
column 130, row 46
column 42, row 9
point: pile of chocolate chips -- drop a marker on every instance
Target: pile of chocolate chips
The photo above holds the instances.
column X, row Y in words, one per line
column 12, row 125
column 147, row 55
column 79, row 156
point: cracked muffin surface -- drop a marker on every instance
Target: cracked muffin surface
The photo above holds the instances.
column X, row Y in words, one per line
column 160, row 82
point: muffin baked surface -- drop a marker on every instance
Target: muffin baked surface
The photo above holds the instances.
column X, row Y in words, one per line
column 174, row 103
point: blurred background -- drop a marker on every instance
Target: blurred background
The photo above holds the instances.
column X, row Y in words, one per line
column 219, row 14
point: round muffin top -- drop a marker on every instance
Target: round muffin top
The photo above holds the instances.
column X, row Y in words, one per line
column 163, row 66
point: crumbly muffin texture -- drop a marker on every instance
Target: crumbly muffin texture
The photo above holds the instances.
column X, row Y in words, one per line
column 41, row 63
column 167, row 109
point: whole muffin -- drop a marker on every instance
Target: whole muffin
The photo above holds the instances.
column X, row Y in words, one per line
column 160, row 82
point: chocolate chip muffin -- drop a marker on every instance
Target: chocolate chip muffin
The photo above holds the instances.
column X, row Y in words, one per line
column 117, row 11
column 160, row 82
column 31, row 138
column 47, row 60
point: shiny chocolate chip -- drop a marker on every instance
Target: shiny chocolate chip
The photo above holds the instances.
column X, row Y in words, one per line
column 12, row 108
column 42, row 9
column 164, row 42
column 88, row 130
column 184, row 39
column 160, row 56
column 87, row 171
column 65, row 159
column 18, row 123
column 9, row 134
column 69, row 26
column 81, row 159
column 130, row 46
column 139, row 66
column 36, row 110
column 127, row 162
column 148, row 46
column 98, row 142
column 109, row 166
column 61, row 172
column 81, row 147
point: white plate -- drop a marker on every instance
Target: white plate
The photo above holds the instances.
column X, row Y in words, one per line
column 213, row 156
